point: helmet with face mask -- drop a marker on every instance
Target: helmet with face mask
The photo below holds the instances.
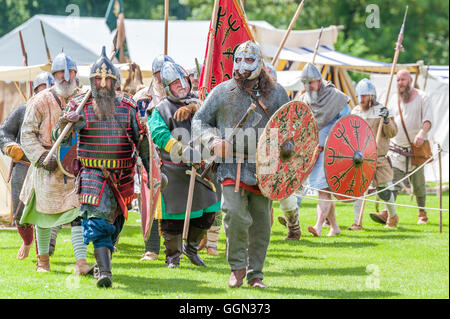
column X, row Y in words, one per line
column 104, row 69
column 271, row 70
column 63, row 62
column 159, row 61
column 171, row 72
column 365, row 87
column 248, row 50
column 43, row 78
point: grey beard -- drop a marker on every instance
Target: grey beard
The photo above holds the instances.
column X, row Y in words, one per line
column 65, row 89
column 406, row 94
column 312, row 97
column 104, row 106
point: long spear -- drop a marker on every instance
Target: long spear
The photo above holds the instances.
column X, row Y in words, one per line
column 45, row 43
column 25, row 58
column 316, row 49
column 291, row 25
column 69, row 125
column 398, row 48
column 166, row 24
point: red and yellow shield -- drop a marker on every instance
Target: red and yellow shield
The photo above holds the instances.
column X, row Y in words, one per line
column 287, row 150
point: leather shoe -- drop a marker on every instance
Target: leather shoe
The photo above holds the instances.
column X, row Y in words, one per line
column 236, row 278
column 257, row 283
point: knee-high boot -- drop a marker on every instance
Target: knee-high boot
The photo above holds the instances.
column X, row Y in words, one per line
column 103, row 259
column 173, row 249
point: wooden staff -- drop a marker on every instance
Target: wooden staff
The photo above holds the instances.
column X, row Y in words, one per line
column 69, row 125
column 291, row 25
column 212, row 31
column 187, row 216
column 166, row 24
column 398, row 48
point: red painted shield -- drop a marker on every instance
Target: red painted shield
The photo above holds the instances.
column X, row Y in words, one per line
column 150, row 195
column 287, row 150
column 66, row 156
column 350, row 157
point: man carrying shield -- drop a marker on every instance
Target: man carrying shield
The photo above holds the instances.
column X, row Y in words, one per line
column 328, row 105
column 47, row 193
column 247, row 211
column 170, row 127
column 10, row 145
column 109, row 137
column 373, row 112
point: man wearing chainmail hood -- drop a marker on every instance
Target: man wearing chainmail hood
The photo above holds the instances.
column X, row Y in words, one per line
column 170, row 127
column 247, row 212
column 10, row 145
column 47, row 193
column 328, row 105
column 109, row 137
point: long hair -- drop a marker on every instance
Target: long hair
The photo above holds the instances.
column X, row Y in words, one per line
column 264, row 81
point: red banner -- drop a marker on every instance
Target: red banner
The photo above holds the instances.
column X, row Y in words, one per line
column 231, row 30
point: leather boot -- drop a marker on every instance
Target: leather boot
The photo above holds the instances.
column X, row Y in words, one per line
column 293, row 225
column 82, row 268
column 103, row 258
column 173, row 249
column 380, row 218
column 392, row 222
column 423, row 219
column 43, row 263
column 237, row 278
column 190, row 246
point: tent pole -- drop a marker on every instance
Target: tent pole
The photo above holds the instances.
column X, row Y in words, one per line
column 20, row 91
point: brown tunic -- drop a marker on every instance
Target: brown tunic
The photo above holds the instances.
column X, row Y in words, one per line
column 383, row 173
column 54, row 193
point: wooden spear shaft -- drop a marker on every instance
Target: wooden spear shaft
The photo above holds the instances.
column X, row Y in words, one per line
column 380, row 125
column 317, row 46
column 440, row 188
column 291, row 25
column 212, row 32
column 166, row 24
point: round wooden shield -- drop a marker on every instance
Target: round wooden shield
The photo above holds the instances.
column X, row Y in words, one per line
column 66, row 156
column 286, row 150
column 350, row 157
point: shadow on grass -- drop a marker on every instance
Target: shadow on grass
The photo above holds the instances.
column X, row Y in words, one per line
column 324, row 244
column 327, row 293
column 146, row 286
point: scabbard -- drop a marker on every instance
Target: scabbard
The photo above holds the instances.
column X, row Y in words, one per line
column 116, row 193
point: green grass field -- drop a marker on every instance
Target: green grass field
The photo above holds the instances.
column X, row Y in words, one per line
column 409, row 262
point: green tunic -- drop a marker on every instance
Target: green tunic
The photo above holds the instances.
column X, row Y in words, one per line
column 162, row 138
